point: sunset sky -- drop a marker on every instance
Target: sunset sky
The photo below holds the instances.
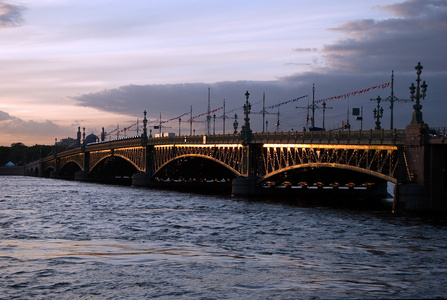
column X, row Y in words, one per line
column 94, row 64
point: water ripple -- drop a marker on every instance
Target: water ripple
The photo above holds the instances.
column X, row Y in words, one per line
column 73, row 240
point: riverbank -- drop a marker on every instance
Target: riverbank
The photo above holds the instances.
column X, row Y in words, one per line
column 12, row 171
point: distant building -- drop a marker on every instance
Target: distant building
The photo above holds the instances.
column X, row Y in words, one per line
column 165, row 134
column 91, row 138
column 68, row 142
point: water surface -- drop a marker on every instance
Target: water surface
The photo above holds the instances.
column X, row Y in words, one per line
column 73, row 240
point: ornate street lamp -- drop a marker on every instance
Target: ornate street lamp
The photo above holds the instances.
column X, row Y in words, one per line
column 420, row 91
column 246, row 131
column 378, row 113
column 144, row 135
column 235, row 123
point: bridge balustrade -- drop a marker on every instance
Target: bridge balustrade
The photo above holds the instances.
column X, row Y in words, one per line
column 125, row 143
column 376, row 137
column 196, row 139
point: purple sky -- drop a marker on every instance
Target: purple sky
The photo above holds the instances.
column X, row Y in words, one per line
column 102, row 63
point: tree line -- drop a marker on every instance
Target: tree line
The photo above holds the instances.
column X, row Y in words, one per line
column 20, row 154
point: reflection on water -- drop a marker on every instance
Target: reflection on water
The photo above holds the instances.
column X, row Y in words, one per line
column 65, row 240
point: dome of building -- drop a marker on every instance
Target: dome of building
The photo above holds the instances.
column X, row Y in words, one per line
column 91, row 138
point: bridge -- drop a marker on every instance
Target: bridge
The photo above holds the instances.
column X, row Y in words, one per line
column 330, row 163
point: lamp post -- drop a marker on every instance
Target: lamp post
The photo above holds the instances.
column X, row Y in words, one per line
column 420, row 90
column 144, row 135
column 235, row 123
column 378, row 113
column 247, row 109
column 246, row 131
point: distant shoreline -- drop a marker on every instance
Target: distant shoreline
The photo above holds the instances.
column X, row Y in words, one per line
column 12, row 171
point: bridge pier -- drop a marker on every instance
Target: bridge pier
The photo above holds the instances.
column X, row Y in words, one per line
column 424, row 189
column 141, row 180
column 244, row 186
column 80, row 176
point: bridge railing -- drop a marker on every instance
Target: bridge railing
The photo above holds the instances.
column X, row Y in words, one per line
column 385, row 137
column 62, row 153
column 437, row 135
column 198, row 139
column 124, row 143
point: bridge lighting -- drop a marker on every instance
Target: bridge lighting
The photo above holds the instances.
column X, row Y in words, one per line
column 420, row 91
column 199, row 146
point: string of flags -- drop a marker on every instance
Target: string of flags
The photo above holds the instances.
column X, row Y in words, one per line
column 356, row 93
column 120, row 131
column 210, row 112
column 286, row 102
column 275, row 105
column 174, row 118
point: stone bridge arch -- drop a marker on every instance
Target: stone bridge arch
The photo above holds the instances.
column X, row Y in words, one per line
column 133, row 155
column 78, row 160
column 48, row 171
column 69, row 169
column 228, row 156
column 185, row 159
column 332, row 166
column 376, row 161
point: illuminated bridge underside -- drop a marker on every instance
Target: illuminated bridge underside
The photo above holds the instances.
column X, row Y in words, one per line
column 134, row 155
column 77, row 159
column 270, row 161
column 375, row 160
column 229, row 156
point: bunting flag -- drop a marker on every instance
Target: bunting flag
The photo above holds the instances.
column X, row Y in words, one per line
column 174, row 118
column 125, row 128
column 210, row 112
column 273, row 106
column 119, row 131
column 286, row 102
column 109, row 133
column 356, row 93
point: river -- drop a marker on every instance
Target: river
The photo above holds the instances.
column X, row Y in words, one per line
column 73, row 240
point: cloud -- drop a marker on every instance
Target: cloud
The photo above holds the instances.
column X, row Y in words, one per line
column 13, row 129
column 305, row 50
column 416, row 8
column 10, row 14
column 172, row 100
column 4, row 116
column 374, row 45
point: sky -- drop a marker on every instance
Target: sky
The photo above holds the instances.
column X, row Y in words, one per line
column 91, row 64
